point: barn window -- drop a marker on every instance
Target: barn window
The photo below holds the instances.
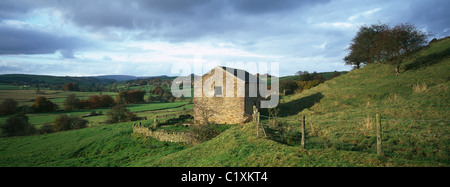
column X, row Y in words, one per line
column 217, row 90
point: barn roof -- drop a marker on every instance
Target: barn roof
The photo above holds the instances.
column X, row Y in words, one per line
column 247, row 78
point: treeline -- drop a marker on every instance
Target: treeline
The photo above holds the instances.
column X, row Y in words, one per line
column 160, row 94
column 19, row 125
column 304, row 81
column 41, row 104
column 128, row 97
column 83, row 84
column 72, row 102
column 94, row 101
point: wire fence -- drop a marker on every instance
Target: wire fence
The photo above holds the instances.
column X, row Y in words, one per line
column 266, row 126
column 370, row 131
column 361, row 133
column 358, row 119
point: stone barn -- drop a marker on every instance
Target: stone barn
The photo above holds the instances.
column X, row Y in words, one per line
column 225, row 96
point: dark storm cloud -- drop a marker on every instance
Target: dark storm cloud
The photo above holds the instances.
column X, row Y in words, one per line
column 30, row 41
column 313, row 33
column 433, row 15
column 186, row 20
column 254, row 7
column 181, row 20
column 14, row 9
column 176, row 20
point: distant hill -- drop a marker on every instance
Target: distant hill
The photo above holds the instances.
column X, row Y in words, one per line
column 21, row 79
column 51, row 80
column 120, row 78
column 116, row 77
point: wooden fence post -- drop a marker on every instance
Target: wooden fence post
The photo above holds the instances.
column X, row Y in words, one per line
column 303, row 132
column 379, row 136
column 255, row 110
column 257, row 128
column 255, row 120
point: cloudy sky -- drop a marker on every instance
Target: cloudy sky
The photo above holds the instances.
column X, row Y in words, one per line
column 149, row 37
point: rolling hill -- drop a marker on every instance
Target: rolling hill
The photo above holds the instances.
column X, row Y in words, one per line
column 120, row 78
column 340, row 121
column 51, row 80
column 340, row 126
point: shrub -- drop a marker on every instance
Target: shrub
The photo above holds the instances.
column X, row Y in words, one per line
column 202, row 132
column 64, row 122
column 78, row 123
column 150, row 98
column 135, row 96
column 46, row 129
column 172, row 99
column 84, row 104
column 25, row 109
column 94, row 101
column 120, row 113
column 70, row 86
column 17, row 125
column 93, row 113
column 306, row 76
column 304, row 85
column 106, row 101
column 42, row 104
column 71, row 102
column 8, row 107
column 288, row 86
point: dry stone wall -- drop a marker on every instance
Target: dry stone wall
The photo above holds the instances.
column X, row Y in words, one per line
column 162, row 135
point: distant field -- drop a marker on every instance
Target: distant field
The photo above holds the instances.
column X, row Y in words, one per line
column 143, row 110
column 57, row 96
column 8, row 87
column 28, row 95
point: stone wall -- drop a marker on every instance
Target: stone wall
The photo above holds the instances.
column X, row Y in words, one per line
column 162, row 135
column 219, row 110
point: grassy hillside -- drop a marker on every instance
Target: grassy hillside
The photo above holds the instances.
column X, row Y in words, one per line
column 417, row 94
column 239, row 147
column 109, row 145
column 340, row 121
column 340, row 127
column 414, row 106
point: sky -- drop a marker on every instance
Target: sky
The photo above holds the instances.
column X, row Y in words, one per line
column 150, row 37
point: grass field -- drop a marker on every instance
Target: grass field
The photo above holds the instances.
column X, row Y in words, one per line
column 107, row 146
column 27, row 97
column 143, row 110
column 340, row 126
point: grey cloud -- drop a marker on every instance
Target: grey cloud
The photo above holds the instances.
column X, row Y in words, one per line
column 269, row 6
column 288, row 28
column 67, row 53
column 177, row 20
column 30, row 41
column 5, row 69
column 434, row 15
column 14, row 9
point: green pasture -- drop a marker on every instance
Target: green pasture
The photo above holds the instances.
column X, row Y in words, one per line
column 340, row 127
